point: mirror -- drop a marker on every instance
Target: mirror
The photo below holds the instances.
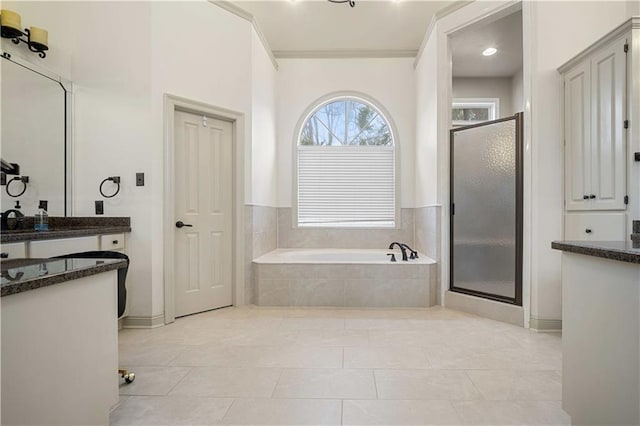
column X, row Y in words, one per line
column 35, row 130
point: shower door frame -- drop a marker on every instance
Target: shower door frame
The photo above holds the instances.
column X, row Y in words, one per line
column 517, row 300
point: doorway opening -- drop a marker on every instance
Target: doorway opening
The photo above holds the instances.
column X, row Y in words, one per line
column 486, row 161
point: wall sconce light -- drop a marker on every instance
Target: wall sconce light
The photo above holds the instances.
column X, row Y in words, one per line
column 37, row 39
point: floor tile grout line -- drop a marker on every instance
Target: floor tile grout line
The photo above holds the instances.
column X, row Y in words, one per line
column 375, row 382
column 277, row 383
column 228, row 409
column 181, row 380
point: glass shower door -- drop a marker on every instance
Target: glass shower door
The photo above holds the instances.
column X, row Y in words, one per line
column 486, row 210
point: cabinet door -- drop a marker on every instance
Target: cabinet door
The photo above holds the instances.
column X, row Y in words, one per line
column 577, row 157
column 608, row 147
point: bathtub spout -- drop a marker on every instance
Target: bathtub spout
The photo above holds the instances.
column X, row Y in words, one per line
column 404, row 250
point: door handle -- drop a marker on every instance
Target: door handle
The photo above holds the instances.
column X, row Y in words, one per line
column 180, row 224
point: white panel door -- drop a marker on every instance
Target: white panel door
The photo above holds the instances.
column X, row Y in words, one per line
column 577, row 101
column 608, row 169
column 203, row 202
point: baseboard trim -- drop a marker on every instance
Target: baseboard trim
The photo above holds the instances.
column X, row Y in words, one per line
column 545, row 325
column 143, row 322
column 486, row 308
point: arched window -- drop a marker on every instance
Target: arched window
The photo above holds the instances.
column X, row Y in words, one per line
column 346, row 166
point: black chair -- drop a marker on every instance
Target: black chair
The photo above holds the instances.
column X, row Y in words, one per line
column 122, row 289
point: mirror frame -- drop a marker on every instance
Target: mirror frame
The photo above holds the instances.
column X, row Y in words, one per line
column 67, row 87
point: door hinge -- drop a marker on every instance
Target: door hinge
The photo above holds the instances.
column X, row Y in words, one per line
column 626, row 124
column 626, row 47
column 626, row 199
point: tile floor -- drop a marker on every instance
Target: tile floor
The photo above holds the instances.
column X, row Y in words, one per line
column 240, row 366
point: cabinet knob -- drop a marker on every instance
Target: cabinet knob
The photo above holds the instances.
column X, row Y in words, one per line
column 585, row 197
column 114, row 242
column 591, row 196
column 588, row 231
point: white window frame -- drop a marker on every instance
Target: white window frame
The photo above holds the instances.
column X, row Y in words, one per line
column 312, row 109
column 492, row 104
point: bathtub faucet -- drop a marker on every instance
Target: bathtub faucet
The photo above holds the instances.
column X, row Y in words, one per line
column 402, row 247
column 414, row 254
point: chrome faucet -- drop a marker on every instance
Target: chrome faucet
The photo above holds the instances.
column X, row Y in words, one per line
column 402, row 247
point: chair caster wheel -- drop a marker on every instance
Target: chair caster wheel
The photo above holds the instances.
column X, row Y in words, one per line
column 129, row 378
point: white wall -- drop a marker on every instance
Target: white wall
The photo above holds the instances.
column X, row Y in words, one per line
column 301, row 82
column 263, row 116
column 216, row 71
column 426, row 155
column 464, row 87
column 122, row 59
column 559, row 33
column 517, row 92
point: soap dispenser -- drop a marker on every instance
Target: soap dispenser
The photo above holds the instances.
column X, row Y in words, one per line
column 41, row 221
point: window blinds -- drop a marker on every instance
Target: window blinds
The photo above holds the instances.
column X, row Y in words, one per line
column 346, row 186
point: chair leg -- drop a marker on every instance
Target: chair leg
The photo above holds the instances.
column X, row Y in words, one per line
column 128, row 377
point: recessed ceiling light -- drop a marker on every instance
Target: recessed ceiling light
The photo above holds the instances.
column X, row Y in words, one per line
column 490, row 51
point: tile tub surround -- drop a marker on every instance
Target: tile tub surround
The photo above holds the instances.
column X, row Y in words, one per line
column 283, row 281
column 340, row 366
column 354, row 238
column 261, row 237
column 427, row 239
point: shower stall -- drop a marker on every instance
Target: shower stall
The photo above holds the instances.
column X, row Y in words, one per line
column 486, row 210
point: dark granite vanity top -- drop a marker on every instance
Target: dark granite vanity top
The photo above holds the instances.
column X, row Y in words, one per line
column 622, row 251
column 68, row 227
column 19, row 275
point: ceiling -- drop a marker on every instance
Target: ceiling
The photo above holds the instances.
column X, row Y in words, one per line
column 504, row 34
column 298, row 28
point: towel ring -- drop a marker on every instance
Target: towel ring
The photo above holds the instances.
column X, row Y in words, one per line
column 23, row 179
column 115, row 180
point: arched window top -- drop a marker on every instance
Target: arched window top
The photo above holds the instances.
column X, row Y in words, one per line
column 346, row 121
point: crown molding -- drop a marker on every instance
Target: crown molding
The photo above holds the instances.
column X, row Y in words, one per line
column 344, row 54
column 241, row 13
column 457, row 5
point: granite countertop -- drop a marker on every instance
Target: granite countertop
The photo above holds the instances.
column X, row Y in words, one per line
column 623, row 251
column 20, row 275
column 68, row 227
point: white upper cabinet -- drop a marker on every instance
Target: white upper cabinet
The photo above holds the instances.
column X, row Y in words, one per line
column 595, row 134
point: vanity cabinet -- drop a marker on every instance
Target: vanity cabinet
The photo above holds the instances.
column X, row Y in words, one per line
column 595, row 127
